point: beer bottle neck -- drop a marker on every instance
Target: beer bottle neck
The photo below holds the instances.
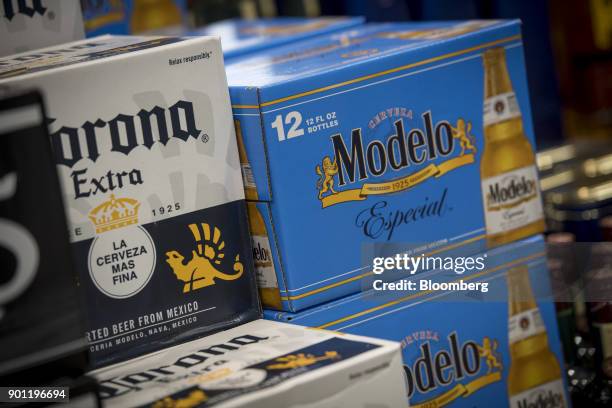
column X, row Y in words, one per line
column 256, row 221
column 241, row 149
column 520, row 294
column 497, row 79
column 521, row 302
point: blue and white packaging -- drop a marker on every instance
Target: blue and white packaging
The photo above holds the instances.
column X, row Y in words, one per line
column 457, row 343
column 376, row 135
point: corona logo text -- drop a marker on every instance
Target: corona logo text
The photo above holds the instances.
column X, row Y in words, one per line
column 126, row 132
column 25, row 7
column 187, row 364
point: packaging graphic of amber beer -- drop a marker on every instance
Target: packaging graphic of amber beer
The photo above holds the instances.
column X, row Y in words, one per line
column 496, row 346
column 145, row 148
column 534, row 377
column 511, row 197
column 261, row 364
column 385, row 133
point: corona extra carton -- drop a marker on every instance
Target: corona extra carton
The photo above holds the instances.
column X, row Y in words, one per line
column 494, row 347
column 242, row 37
column 413, row 134
column 32, row 24
column 261, row 364
column 152, row 187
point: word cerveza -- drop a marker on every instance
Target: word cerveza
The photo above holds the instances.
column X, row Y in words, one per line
column 412, row 264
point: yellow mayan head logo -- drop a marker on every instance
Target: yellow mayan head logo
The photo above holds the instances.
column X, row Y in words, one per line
column 194, row 399
column 301, row 360
column 114, row 213
column 201, row 270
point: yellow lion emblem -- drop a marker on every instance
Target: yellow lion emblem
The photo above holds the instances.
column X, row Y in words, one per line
column 326, row 179
column 489, row 353
column 194, row 399
column 200, row 271
column 463, row 133
column 301, row 360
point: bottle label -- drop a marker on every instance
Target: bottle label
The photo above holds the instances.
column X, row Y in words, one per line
column 264, row 265
column 500, row 107
column 247, row 175
column 511, row 200
column 525, row 324
column 549, row 395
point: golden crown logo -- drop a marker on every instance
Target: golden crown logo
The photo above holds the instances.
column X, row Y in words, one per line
column 114, row 213
column 200, row 271
column 301, row 360
column 194, row 399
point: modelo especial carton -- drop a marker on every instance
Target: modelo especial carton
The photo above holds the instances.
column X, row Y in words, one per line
column 242, row 37
column 497, row 346
column 145, row 149
column 413, row 134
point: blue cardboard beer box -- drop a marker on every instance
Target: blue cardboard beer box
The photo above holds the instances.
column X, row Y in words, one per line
column 464, row 347
column 242, row 37
column 377, row 135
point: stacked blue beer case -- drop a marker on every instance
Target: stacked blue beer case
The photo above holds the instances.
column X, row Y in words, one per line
column 243, row 37
column 427, row 323
column 458, row 324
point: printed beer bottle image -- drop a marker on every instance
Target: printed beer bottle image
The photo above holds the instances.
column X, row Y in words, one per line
column 149, row 15
column 250, row 189
column 534, row 378
column 262, row 258
column 510, row 190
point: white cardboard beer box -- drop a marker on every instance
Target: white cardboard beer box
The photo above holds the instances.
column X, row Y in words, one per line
column 145, row 149
column 262, row 364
